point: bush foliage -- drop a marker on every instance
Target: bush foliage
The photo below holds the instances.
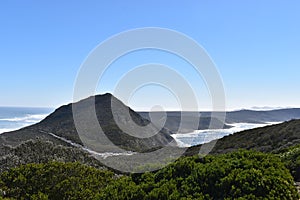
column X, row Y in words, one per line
column 237, row 175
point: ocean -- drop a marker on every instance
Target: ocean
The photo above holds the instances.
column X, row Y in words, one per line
column 204, row 136
column 13, row 118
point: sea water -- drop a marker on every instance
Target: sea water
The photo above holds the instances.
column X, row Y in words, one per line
column 204, row 136
column 13, row 118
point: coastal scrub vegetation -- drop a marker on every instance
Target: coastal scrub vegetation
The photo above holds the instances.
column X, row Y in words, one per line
column 238, row 175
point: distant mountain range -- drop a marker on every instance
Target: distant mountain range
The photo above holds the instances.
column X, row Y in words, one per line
column 186, row 122
column 251, row 116
column 241, row 116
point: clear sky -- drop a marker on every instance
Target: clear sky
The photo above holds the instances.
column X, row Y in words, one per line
column 254, row 44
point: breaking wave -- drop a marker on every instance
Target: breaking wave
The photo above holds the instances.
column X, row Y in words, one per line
column 13, row 118
column 204, row 136
column 26, row 119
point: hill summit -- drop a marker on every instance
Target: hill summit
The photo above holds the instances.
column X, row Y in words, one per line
column 59, row 127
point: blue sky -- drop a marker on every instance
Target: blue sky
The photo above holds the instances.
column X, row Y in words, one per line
column 254, row 44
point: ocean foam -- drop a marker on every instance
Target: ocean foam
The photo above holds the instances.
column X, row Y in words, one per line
column 27, row 119
column 3, row 130
column 15, row 123
column 204, row 136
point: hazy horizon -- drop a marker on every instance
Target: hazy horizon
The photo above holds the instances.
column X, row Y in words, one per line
column 254, row 108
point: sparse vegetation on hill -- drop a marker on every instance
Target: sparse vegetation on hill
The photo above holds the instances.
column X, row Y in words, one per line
column 39, row 151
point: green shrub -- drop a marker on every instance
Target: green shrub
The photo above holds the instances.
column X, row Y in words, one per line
column 238, row 175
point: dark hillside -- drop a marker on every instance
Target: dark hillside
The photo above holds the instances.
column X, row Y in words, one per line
column 61, row 123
